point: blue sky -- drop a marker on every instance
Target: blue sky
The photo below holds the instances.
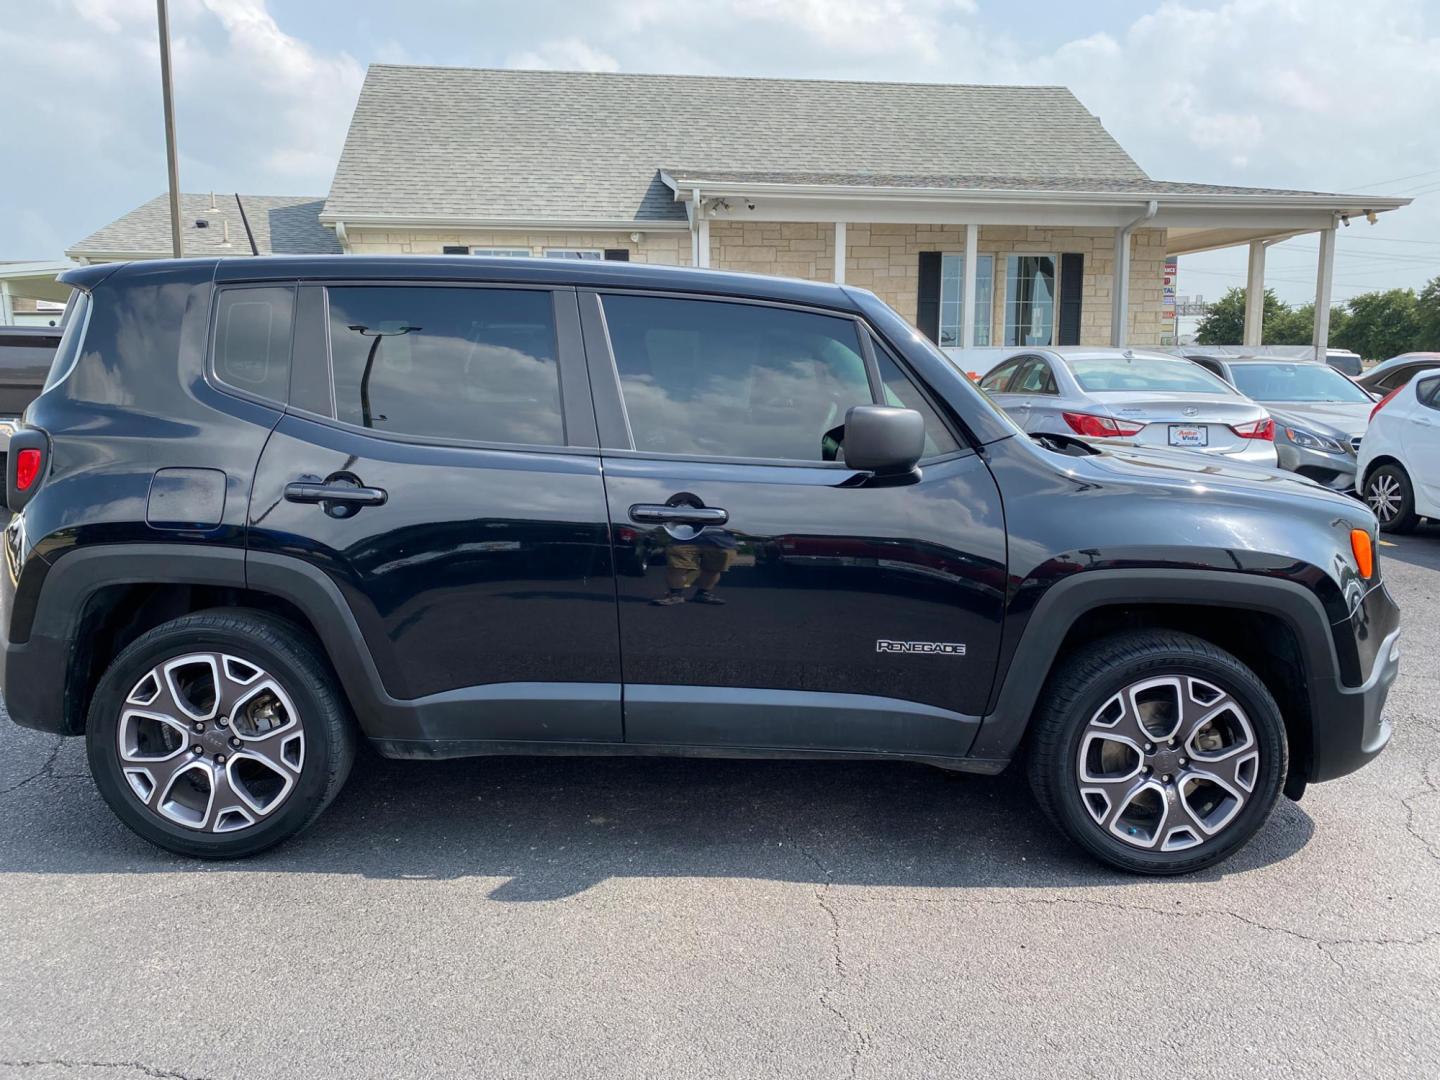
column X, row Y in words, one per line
column 1292, row 93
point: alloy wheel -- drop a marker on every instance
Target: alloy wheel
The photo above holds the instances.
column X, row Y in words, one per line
column 1167, row 763
column 1385, row 497
column 210, row 742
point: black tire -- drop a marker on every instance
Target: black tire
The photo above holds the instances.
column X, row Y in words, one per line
column 294, row 661
column 1403, row 519
column 1082, row 686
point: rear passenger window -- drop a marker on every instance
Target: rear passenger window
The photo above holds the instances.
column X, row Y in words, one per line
column 901, row 392
column 447, row 363
column 252, row 340
column 734, row 380
column 1429, row 393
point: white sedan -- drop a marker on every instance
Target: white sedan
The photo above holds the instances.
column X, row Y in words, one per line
column 1398, row 473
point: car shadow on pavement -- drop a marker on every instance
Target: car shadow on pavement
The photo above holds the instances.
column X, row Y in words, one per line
column 553, row 827
column 1420, row 548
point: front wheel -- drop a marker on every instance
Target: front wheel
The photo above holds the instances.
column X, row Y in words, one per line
column 219, row 734
column 1157, row 752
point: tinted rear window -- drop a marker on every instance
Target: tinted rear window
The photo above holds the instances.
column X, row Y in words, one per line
column 1145, row 376
column 77, row 315
column 477, row 365
column 1295, row 382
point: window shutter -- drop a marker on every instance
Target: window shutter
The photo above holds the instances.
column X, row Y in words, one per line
column 617, row 254
column 927, row 310
column 455, row 249
column 1072, row 287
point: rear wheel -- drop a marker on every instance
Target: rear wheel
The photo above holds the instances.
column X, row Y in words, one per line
column 1391, row 497
column 1157, row 752
column 219, row 734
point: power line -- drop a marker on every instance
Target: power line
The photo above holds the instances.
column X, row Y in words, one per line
column 1392, row 180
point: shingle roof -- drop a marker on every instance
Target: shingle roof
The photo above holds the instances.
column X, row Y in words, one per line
column 278, row 224
column 462, row 144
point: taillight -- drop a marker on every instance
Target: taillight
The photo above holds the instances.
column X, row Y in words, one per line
column 1100, row 427
column 1256, row 429
column 27, row 468
column 1385, row 400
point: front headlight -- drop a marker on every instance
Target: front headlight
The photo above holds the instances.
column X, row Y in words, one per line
column 1311, row 440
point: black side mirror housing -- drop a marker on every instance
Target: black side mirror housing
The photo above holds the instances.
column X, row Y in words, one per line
column 883, row 440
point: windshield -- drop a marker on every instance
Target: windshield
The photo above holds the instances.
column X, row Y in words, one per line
column 1295, row 382
column 1146, row 376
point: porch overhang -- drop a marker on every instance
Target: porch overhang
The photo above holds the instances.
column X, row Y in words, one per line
column 1197, row 217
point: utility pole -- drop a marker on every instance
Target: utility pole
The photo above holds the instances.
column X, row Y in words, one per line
column 170, row 154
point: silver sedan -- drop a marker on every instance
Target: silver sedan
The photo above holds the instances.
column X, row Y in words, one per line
column 1131, row 398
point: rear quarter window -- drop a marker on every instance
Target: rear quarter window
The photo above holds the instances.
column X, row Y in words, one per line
column 76, row 319
column 252, row 340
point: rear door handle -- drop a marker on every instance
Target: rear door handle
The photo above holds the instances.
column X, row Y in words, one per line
column 652, row 514
column 346, row 494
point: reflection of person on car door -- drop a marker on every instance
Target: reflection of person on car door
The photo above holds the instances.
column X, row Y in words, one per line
column 699, row 561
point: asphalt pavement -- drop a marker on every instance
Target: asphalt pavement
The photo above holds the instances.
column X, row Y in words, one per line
column 669, row 918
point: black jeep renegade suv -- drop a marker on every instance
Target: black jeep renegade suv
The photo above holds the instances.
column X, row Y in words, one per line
column 468, row 506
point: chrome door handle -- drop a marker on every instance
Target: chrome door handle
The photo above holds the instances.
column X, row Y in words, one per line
column 652, row 514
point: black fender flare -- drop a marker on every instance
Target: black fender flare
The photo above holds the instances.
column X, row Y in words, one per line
column 1019, row 687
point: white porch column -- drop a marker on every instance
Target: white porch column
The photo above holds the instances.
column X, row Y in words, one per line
column 1324, row 280
column 1120, row 290
column 839, row 253
column 969, row 287
column 7, row 310
column 1255, row 296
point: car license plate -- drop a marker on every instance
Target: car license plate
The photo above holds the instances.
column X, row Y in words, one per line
column 1185, row 435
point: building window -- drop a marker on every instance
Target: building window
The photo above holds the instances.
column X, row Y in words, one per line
column 501, row 252
column 1030, row 300
column 952, row 298
column 574, row 253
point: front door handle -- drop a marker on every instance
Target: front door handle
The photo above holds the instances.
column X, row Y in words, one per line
column 303, row 491
column 652, row 514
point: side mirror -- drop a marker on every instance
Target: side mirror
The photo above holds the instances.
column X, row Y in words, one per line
column 883, row 440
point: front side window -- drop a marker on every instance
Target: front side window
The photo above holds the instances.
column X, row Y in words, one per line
column 477, row 365
column 997, row 380
column 902, row 393
column 252, row 340
column 952, row 298
column 1030, row 300
column 734, row 380
column 1035, row 378
column 1295, row 382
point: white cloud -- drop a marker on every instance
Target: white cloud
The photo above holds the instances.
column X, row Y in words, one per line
column 564, row 54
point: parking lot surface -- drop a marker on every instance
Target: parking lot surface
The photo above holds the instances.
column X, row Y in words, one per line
column 670, row 918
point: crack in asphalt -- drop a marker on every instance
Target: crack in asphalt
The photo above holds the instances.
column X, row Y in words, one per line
column 859, row 1040
column 128, row 1066
column 45, row 771
column 1408, row 802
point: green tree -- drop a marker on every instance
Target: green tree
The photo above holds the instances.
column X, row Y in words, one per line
column 1381, row 324
column 1297, row 325
column 1428, row 316
column 1224, row 323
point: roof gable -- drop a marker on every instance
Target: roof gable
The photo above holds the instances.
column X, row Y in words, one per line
column 452, row 143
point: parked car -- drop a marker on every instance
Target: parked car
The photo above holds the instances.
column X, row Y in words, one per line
column 1129, row 397
column 1397, row 371
column 1320, row 415
column 1345, row 362
column 25, row 355
column 270, row 506
column 1399, row 473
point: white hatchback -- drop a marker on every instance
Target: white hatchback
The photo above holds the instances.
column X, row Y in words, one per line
column 1398, row 473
